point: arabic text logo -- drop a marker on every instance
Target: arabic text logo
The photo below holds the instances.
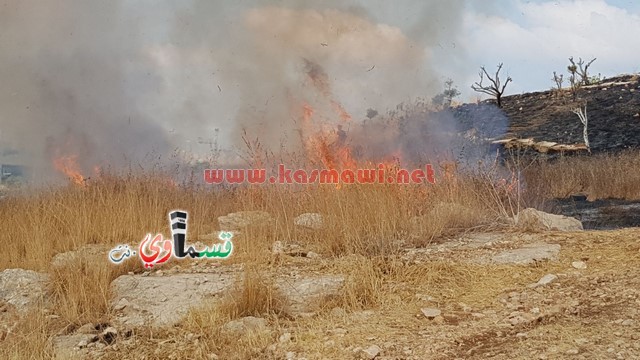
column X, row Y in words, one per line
column 157, row 250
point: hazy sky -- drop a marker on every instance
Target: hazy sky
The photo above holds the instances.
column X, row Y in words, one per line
column 147, row 75
column 531, row 38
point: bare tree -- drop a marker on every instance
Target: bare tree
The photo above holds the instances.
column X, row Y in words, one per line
column 558, row 79
column 581, row 70
column 495, row 89
column 583, row 118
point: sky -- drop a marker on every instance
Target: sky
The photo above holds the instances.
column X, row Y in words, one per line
column 156, row 75
column 533, row 39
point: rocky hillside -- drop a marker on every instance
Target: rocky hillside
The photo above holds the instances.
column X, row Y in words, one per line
column 613, row 108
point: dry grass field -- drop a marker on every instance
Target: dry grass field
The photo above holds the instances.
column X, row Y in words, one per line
column 367, row 230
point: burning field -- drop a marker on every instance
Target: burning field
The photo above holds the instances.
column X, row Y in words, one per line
column 119, row 134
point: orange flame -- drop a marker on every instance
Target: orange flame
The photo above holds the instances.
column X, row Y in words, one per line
column 68, row 165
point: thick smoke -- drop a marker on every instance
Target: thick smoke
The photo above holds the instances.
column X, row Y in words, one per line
column 70, row 80
column 262, row 61
column 117, row 83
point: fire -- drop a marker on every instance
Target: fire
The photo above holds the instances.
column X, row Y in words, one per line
column 512, row 185
column 68, row 165
column 326, row 144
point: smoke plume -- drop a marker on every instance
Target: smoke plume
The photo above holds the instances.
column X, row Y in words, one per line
column 117, row 83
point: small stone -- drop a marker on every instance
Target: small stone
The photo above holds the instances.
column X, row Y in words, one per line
column 286, row 337
column 580, row 265
column 521, row 335
column 628, row 322
column 277, row 248
column 431, row 313
column 313, row 255
column 478, row 315
column 290, row 355
column 545, row 280
column 573, row 352
column 370, row 353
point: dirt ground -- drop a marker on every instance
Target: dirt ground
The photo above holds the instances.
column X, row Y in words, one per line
column 589, row 311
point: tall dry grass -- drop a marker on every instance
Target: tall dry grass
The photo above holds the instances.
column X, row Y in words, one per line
column 371, row 221
column 599, row 177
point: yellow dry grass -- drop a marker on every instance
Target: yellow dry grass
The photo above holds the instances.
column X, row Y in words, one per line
column 364, row 226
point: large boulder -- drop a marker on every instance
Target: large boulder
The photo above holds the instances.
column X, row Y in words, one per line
column 536, row 220
column 20, row 291
column 304, row 292
column 164, row 300
column 22, row 288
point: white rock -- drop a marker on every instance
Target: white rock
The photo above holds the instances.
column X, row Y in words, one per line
column 545, row 280
column 370, row 353
column 286, row 337
column 277, row 248
column 431, row 313
column 580, row 265
column 532, row 219
column 312, row 221
column 313, row 255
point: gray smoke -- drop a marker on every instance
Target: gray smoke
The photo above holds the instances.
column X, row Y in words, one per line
column 119, row 83
column 71, row 75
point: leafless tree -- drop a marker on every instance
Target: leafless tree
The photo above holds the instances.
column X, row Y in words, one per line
column 558, row 79
column 495, row 89
column 583, row 118
column 581, row 70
